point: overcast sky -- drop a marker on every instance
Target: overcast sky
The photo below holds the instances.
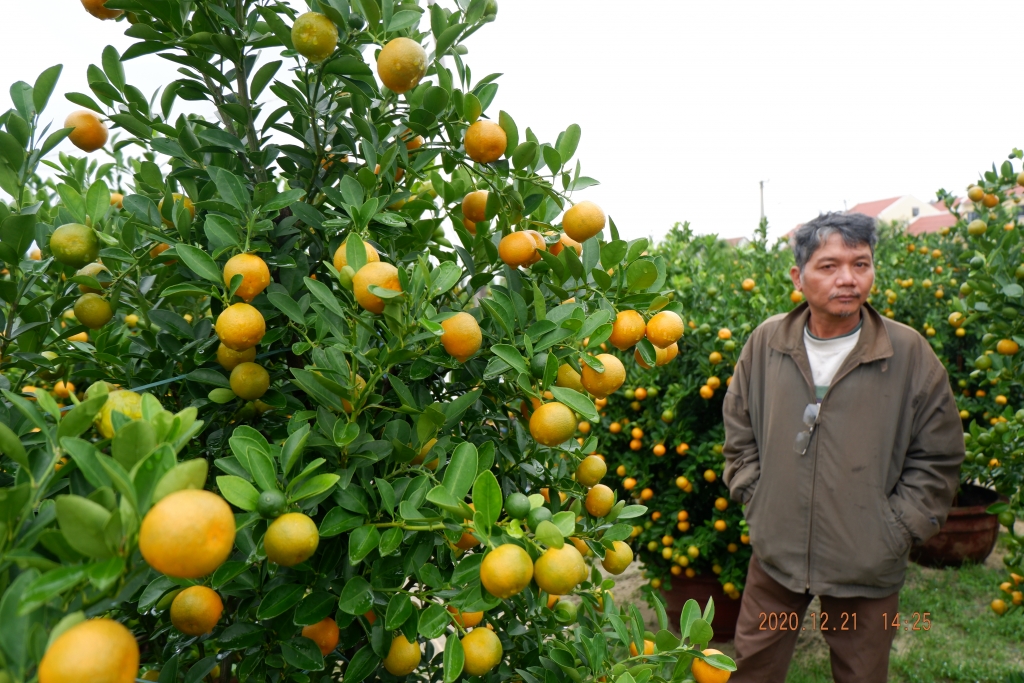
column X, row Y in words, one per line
column 685, row 105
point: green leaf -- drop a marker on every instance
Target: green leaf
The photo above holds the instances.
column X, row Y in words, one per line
column 21, row 96
column 198, row 671
column 15, row 629
column 133, row 441
column 262, row 77
column 511, row 355
column 690, row 613
column 444, row 278
column 238, row 492
column 511, row 132
column 55, row 138
column 226, row 572
column 102, row 575
column 11, row 150
column 664, row 641
column 577, row 401
column 97, row 201
column 86, row 457
column 641, row 274
column 525, row 154
column 231, row 188
column 435, row 100
column 27, row 409
column 17, row 231
column 325, row 296
column 48, row 586
column 487, row 498
column 565, row 521
column 355, row 252
column 363, row 663
column 283, row 200
column 153, row 592
column 221, row 395
column 287, row 305
column 190, row 474
column 618, row 532
column 80, row 418
column 440, row 497
column 447, row 39
column 47, row 403
column 148, row 472
column 433, row 621
column 554, row 162
column 631, row 511
column 454, row 659
column 338, row 521
column 569, row 142
column 390, row 541
column 721, row 661
column 11, row 446
column 291, row 451
column 314, row 486
column 709, row 610
column 461, row 470
column 362, row 542
column 701, row 632
column 453, row 411
column 119, row 478
column 400, row 608
column 636, row 248
column 251, row 448
column 279, row 600
column 83, row 522
column 356, row 597
column 303, row 654
column 280, row 29
column 44, row 87
column 307, row 381
column 344, row 434
column 83, row 101
column 549, row 534
column 112, row 67
column 199, row 262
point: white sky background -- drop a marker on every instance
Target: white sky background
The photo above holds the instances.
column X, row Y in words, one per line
column 686, row 105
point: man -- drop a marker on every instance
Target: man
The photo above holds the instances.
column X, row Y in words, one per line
column 844, row 443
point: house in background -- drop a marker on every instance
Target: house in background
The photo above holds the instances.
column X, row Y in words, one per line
column 919, row 216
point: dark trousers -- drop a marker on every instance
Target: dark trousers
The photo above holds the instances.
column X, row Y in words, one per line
column 765, row 643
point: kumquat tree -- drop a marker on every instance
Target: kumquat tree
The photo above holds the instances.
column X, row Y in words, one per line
column 261, row 419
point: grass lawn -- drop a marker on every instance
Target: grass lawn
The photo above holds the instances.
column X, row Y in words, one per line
column 966, row 644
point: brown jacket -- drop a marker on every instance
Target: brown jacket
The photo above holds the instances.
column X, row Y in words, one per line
column 880, row 470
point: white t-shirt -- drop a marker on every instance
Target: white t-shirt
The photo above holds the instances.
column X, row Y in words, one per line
column 826, row 355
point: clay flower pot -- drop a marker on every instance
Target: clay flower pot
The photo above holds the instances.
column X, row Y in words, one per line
column 969, row 533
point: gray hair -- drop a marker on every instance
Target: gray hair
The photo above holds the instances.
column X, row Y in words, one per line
column 855, row 228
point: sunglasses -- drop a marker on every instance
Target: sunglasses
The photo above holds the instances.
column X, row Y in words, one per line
column 803, row 439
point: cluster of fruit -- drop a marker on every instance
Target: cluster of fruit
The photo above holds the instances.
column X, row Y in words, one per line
column 410, row 455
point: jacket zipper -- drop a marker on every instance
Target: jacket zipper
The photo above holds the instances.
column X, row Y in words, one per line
column 814, row 476
column 814, row 465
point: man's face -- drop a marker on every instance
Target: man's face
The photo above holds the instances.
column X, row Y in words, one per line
column 837, row 278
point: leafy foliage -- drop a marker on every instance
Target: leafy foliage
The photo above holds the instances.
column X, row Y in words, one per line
column 370, row 427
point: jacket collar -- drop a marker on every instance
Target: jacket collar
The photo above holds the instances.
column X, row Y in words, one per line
column 873, row 344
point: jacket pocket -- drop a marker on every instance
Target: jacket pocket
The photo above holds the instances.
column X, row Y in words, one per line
column 749, row 505
column 898, row 539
